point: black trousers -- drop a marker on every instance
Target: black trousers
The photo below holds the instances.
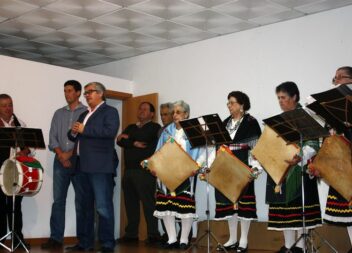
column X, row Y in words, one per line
column 139, row 186
column 6, row 215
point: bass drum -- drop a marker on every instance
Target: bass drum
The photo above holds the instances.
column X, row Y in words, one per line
column 22, row 176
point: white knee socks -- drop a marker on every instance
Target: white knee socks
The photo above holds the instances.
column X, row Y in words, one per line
column 169, row 222
column 185, row 230
column 244, row 233
column 300, row 243
column 233, row 221
column 289, row 236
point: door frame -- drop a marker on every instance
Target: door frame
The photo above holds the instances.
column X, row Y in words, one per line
column 124, row 97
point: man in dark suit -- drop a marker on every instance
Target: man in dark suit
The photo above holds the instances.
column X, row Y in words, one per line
column 96, row 162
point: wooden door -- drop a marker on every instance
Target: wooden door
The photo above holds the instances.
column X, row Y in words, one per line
column 129, row 116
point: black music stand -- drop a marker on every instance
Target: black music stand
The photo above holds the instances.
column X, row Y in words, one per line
column 207, row 129
column 18, row 137
column 204, row 131
column 335, row 106
column 318, row 109
column 294, row 127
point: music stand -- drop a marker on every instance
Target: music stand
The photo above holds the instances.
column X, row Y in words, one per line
column 17, row 137
column 337, row 104
column 202, row 131
column 296, row 126
column 317, row 108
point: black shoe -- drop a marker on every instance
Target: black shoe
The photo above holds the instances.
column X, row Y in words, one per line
column 230, row 247
column 173, row 245
column 164, row 238
column 296, row 250
column 241, row 250
column 51, row 244
column 126, row 239
column 184, row 246
column 78, row 248
column 350, row 251
column 283, row 249
column 106, row 250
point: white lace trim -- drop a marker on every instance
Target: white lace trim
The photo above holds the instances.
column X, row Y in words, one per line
column 239, row 217
column 224, row 218
column 159, row 214
column 337, row 219
column 294, row 228
column 245, row 218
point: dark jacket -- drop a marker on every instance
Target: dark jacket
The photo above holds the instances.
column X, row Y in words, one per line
column 97, row 142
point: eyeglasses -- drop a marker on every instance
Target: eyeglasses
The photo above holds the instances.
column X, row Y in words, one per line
column 231, row 103
column 178, row 112
column 339, row 78
column 88, row 92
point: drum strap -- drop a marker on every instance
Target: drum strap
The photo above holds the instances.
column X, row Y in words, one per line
column 16, row 121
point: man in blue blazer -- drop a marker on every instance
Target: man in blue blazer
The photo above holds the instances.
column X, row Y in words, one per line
column 96, row 162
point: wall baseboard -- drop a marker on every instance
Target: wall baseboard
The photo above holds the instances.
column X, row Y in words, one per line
column 38, row 241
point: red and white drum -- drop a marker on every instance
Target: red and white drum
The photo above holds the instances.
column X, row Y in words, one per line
column 21, row 176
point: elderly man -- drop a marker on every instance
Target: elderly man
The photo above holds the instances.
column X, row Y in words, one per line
column 166, row 113
column 96, row 161
column 139, row 141
column 9, row 119
column 63, row 173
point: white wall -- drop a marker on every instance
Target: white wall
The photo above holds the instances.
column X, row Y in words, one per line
column 306, row 50
column 37, row 91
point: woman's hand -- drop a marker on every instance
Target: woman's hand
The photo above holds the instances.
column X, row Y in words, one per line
column 313, row 171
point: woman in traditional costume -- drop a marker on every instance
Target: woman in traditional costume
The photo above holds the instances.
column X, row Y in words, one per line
column 180, row 203
column 285, row 200
column 244, row 131
column 338, row 210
